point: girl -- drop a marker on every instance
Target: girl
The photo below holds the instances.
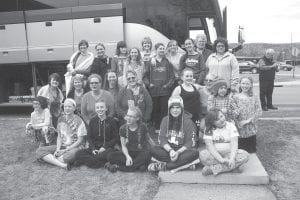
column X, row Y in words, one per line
column 134, row 141
column 40, row 121
column 54, row 95
column 220, row 98
column 135, row 63
column 177, row 139
column 77, row 91
column 221, row 139
column 247, row 110
column 119, row 60
column 193, row 60
column 102, row 137
column 71, row 131
column 161, row 79
column 189, row 93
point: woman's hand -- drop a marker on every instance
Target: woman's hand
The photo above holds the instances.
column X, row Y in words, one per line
column 29, row 126
column 224, row 161
column 128, row 161
column 95, row 152
column 224, row 110
column 58, row 153
column 151, row 85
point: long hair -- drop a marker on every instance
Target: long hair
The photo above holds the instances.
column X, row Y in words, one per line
column 169, row 46
column 106, row 84
column 139, row 57
column 120, row 44
column 250, row 91
column 210, row 119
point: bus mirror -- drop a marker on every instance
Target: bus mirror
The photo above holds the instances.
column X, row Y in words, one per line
column 241, row 35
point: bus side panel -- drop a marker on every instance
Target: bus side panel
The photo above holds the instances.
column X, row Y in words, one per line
column 47, row 43
column 13, row 47
column 107, row 30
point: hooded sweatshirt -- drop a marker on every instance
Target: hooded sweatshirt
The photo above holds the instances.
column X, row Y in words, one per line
column 185, row 137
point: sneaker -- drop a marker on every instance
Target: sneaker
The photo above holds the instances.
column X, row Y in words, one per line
column 192, row 167
column 157, row 166
column 112, row 168
column 216, row 169
column 207, row 171
column 272, row 107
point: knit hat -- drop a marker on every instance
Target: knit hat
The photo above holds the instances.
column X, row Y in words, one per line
column 214, row 88
column 175, row 100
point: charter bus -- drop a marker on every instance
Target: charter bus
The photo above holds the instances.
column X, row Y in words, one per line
column 37, row 37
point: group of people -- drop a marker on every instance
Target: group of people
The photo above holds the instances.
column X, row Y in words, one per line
column 111, row 103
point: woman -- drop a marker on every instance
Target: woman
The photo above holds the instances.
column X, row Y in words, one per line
column 133, row 95
column 190, row 95
column 111, row 83
column 71, row 132
column 119, row 60
column 193, row 60
column 54, row 96
column 77, row 91
column 146, row 52
column 174, row 56
column 102, row 137
column 161, row 79
column 95, row 95
column 102, row 62
column 80, row 63
column 135, row 63
column 223, row 64
column 177, row 139
column 135, row 154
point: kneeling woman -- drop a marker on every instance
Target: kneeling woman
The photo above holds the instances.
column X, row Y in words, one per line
column 221, row 139
column 102, row 137
column 134, row 140
column 176, row 137
column 71, row 132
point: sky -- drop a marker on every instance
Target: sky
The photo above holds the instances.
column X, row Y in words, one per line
column 267, row 21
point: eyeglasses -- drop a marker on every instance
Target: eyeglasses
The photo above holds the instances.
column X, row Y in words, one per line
column 208, row 80
column 130, row 78
column 95, row 83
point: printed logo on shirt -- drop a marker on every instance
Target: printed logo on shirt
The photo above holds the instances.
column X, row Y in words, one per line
column 219, row 139
column 159, row 69
column 191, row 62
column 174, row 136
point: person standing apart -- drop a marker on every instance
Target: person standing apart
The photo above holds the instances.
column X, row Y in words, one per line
column 267, row 70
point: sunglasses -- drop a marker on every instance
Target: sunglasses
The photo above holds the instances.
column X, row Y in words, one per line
column 95, row 83
column 130, row 78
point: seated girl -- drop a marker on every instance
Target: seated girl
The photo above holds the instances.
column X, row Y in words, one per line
column 135, row 154
column 40, row 121
column 102, row 137
column 221, row 139
column 177, row 139
column 71, row 132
